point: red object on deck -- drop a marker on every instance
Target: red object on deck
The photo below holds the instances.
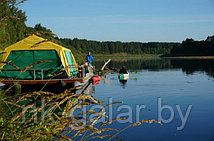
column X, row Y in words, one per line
column 95, row 78
column 96, row 82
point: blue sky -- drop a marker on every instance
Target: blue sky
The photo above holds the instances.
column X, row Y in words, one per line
column 124, row 20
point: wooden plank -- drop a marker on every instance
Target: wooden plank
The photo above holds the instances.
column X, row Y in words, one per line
column 51, row 81
column 105, row 64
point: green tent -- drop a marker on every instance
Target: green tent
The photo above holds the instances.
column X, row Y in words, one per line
column 50, row 58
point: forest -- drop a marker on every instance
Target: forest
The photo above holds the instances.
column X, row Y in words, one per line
column 190, row 47
column 13, row 29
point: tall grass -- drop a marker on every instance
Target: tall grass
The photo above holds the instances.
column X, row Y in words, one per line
column 47, row 116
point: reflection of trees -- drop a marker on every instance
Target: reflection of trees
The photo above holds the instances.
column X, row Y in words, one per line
column 189, row 66
column 138, row 64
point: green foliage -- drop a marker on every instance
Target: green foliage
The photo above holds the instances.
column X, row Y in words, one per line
column 80, row 46
column 12, row 24
column 189, row 47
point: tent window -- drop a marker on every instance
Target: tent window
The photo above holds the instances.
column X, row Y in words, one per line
column 70, row 61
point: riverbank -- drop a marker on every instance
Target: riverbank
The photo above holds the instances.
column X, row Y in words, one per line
column 190, row 57
column 122, row 58
column 118, row 56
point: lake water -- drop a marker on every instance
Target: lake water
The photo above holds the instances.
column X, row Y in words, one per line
column 179, row 93
column 165, row 89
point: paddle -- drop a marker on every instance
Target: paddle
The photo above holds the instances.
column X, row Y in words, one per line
column 134, row 72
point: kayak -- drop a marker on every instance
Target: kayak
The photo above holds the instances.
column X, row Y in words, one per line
column 123, row 76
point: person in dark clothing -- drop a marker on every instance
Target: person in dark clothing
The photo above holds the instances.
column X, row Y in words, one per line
column 123, row 70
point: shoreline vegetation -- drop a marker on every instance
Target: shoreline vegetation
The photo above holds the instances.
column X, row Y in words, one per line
column 189, row 57
column 81, row 57
column 112, row 56
column 13, row 28
column 116, row 57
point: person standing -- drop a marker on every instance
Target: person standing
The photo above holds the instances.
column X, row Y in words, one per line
column 89, row 58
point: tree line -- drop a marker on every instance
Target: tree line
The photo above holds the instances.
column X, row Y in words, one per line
column 13, row 29
column 12, row 23
column 82, row 46
column 190, row 47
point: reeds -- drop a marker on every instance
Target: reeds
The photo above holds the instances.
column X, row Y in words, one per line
column 44, row 128
column 46, row 116
column 21, row 2
column 9, row 17
column 11, row 1
column 33, row 64
column 19, row 69
column 36, row 44
column 6, row 1
column 10, row 64
column 39, row 33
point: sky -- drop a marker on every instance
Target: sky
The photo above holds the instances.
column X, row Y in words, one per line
column 124, row 20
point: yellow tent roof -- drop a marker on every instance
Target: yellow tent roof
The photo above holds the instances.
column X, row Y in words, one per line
column 34, row 42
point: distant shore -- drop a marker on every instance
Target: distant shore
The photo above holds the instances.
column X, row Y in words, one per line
column 118, row 56
column 97, row 56
column 190, row 57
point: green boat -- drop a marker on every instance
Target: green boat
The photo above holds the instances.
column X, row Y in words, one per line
column 123, row 76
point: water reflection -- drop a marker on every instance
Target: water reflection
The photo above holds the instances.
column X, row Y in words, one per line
column 87, row 88
column 163, row 78
column 123, row 78
column 188, row 66
column 123, row 83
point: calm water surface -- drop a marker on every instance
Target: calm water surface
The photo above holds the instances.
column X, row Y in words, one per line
column 174, row 82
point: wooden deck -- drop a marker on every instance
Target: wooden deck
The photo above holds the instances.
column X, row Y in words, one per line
column 50, row 81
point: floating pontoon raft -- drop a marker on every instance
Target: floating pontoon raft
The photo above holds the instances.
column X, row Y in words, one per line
column 35, row 60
